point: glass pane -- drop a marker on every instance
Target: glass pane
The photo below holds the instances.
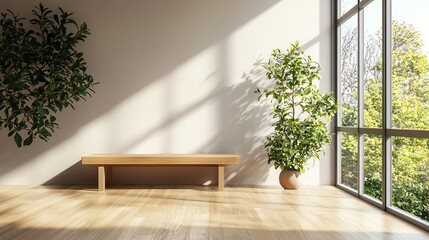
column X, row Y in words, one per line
column 346, row 5
column 373, row 166
column 373, row 65
column 348, row 66
column 349, row 160
column 410, row 175
column 410, row 67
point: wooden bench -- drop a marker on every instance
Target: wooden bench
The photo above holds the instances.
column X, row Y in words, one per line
column 107, row 161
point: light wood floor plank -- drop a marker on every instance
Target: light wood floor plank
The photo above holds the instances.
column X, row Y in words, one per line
column 193, row 212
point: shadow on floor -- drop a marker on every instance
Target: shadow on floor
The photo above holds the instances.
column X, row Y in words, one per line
column 182, row 231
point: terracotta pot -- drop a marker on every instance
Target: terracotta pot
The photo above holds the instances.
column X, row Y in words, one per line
column 290, row 179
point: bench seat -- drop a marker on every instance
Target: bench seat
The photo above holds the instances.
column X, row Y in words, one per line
column 105, row 162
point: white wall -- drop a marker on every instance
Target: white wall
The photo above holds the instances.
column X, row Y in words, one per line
column 175, row 77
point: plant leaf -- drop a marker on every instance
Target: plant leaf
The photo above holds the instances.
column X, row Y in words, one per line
column 18, row 139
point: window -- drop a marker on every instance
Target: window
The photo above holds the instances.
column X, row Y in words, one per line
column 410, row 68
column 349, row 160
column 383, row 119
column 346, row 5
column 372, row 65
column 373, row 172
column 410, row 168
column 349, row 72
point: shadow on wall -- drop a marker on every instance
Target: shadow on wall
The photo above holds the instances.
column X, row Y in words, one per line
column 133, row 45
column 244, row 123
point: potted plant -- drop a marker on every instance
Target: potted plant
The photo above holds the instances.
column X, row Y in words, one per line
column 300, row 113
column 41, row 72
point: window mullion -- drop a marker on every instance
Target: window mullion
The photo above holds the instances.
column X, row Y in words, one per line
column 361, row 75
column 387, row 104
column 334, row 71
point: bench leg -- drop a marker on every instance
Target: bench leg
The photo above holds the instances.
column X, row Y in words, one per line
column 220, row 177
column 101, row 178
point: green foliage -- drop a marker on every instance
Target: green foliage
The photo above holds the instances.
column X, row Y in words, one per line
column 408, row 196
column 411, row 197
column 41, row 72
column 299, row 109
column 373, row 187
column 410, row 110
column 349, row 163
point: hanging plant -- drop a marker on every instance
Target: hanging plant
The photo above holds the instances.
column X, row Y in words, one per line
column 41, row 72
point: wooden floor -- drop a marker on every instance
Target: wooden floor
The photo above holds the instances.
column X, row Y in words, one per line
column 159, row 212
